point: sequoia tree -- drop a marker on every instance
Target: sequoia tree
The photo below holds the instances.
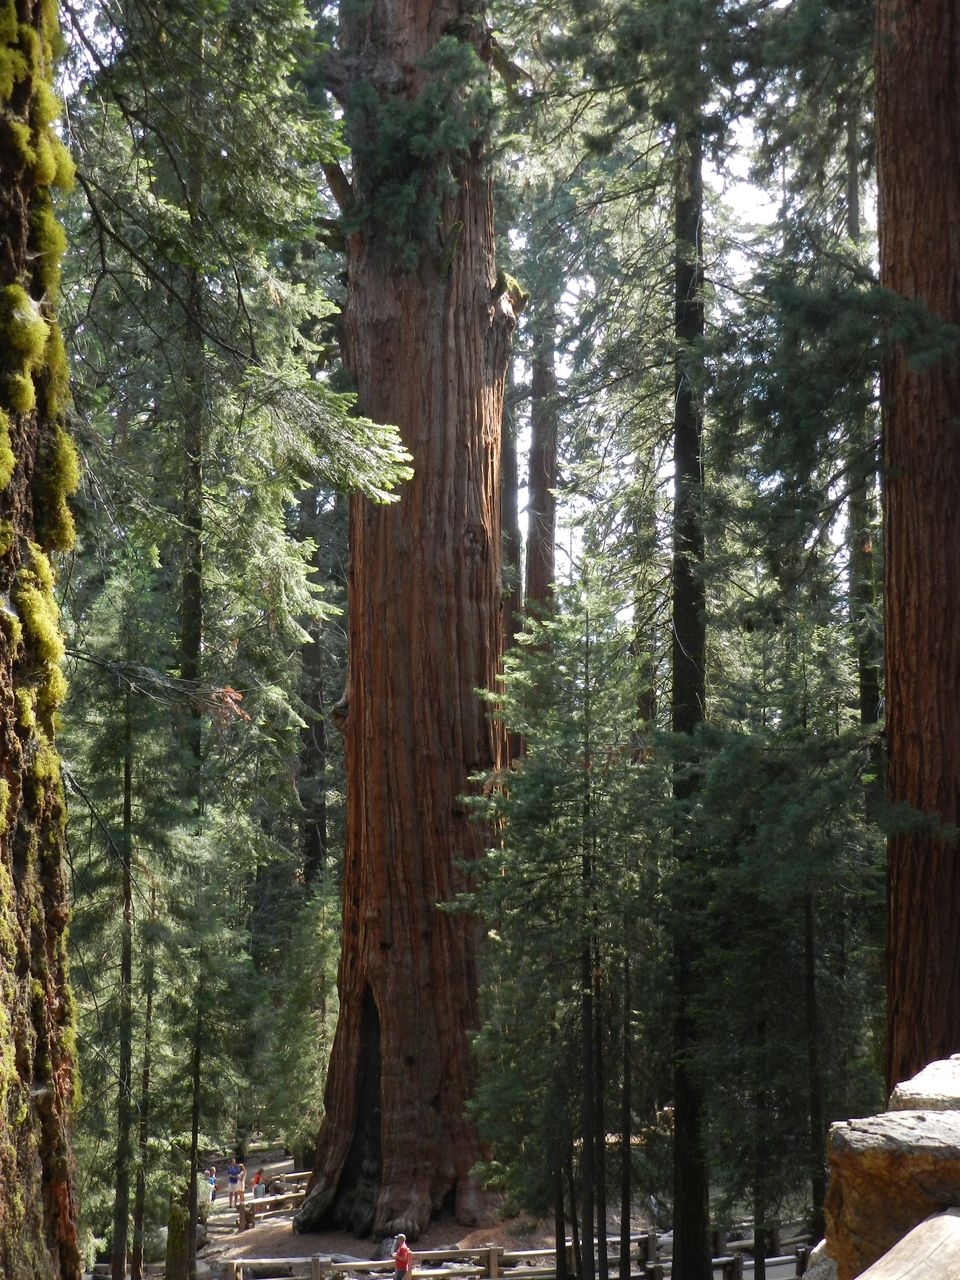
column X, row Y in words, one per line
column 918, row 134
column 427, row 330
column 38, row 467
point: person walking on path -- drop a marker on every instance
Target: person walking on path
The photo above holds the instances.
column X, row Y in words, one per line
column 402, row 1258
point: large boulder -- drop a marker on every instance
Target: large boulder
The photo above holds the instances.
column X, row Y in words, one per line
column 887, row 1174
column 935, row 1088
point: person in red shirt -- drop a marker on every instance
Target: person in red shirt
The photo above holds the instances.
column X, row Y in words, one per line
column 402, row 1258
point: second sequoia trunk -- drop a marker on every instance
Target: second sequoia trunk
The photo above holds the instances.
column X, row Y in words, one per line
column 918, row 134
column 427, row 335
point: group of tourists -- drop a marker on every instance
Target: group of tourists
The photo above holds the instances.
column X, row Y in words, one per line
column 236, row 1183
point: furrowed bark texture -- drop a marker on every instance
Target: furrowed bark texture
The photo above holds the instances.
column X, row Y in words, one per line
column 38, row 1238
column 918, row 131
column 428, row 349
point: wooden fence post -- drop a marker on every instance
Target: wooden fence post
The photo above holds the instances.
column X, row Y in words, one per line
column 316, row 1268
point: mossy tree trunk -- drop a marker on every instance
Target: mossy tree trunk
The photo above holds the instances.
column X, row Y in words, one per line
column 427, row 341
column 38, row 1234
column 918, row 136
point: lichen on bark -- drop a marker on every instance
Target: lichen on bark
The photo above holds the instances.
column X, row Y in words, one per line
column 38, row 468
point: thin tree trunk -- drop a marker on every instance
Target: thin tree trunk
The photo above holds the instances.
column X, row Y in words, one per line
column 143, row 1128
column 428, row 349
column 121, row 1206
column 542, row 482
column 862, row 521
column 919, row 191
column 575, row 1234
column 510, row 508
column 626, row 1112
column 588, row 1013
column 196, row 1080
column 559, row 1224
column 588, row 1141
column 512, row 543
column 761, row 1158
column 600, row 1114
column 313, row 737
column 817, row 1129
column 691, row 1190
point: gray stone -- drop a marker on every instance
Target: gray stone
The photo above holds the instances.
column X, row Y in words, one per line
column 820, row 1266
column 935, row 1088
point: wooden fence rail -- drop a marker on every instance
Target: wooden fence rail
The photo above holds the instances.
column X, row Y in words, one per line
column 489, row 1263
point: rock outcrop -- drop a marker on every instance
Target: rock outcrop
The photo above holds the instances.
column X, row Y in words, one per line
column 890, row 1172
column 935, row 1088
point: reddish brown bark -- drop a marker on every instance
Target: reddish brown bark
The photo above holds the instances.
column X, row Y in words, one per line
column 428, row 349
column 918, row 131
column 38, row 1237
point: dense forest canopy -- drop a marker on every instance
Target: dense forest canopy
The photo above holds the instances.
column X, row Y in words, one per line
column 442, row 657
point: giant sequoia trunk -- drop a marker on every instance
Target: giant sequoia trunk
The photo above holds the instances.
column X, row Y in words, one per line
column 38, row 1238
column 918, row 131
column 428, row 347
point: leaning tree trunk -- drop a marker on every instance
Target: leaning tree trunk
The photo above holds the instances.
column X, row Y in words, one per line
column 427, row 345
column 38, row 1234
column 918, row 133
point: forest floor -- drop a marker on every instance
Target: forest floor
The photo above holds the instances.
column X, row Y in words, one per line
column 276, row 1238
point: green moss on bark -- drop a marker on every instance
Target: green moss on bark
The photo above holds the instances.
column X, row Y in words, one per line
column 38, row 470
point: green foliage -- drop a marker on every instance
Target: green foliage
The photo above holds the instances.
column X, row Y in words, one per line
column 576, row 864
column 407, row 151
column 200, row 346
column 291, row 1063
column 782, row 840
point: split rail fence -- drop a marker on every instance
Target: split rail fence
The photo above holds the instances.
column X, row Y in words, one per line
column 489, row 1263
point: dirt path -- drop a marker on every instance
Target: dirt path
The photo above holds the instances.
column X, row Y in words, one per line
column 276, row 1238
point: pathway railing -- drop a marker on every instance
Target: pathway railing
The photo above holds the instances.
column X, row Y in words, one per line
column 490, row 1262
